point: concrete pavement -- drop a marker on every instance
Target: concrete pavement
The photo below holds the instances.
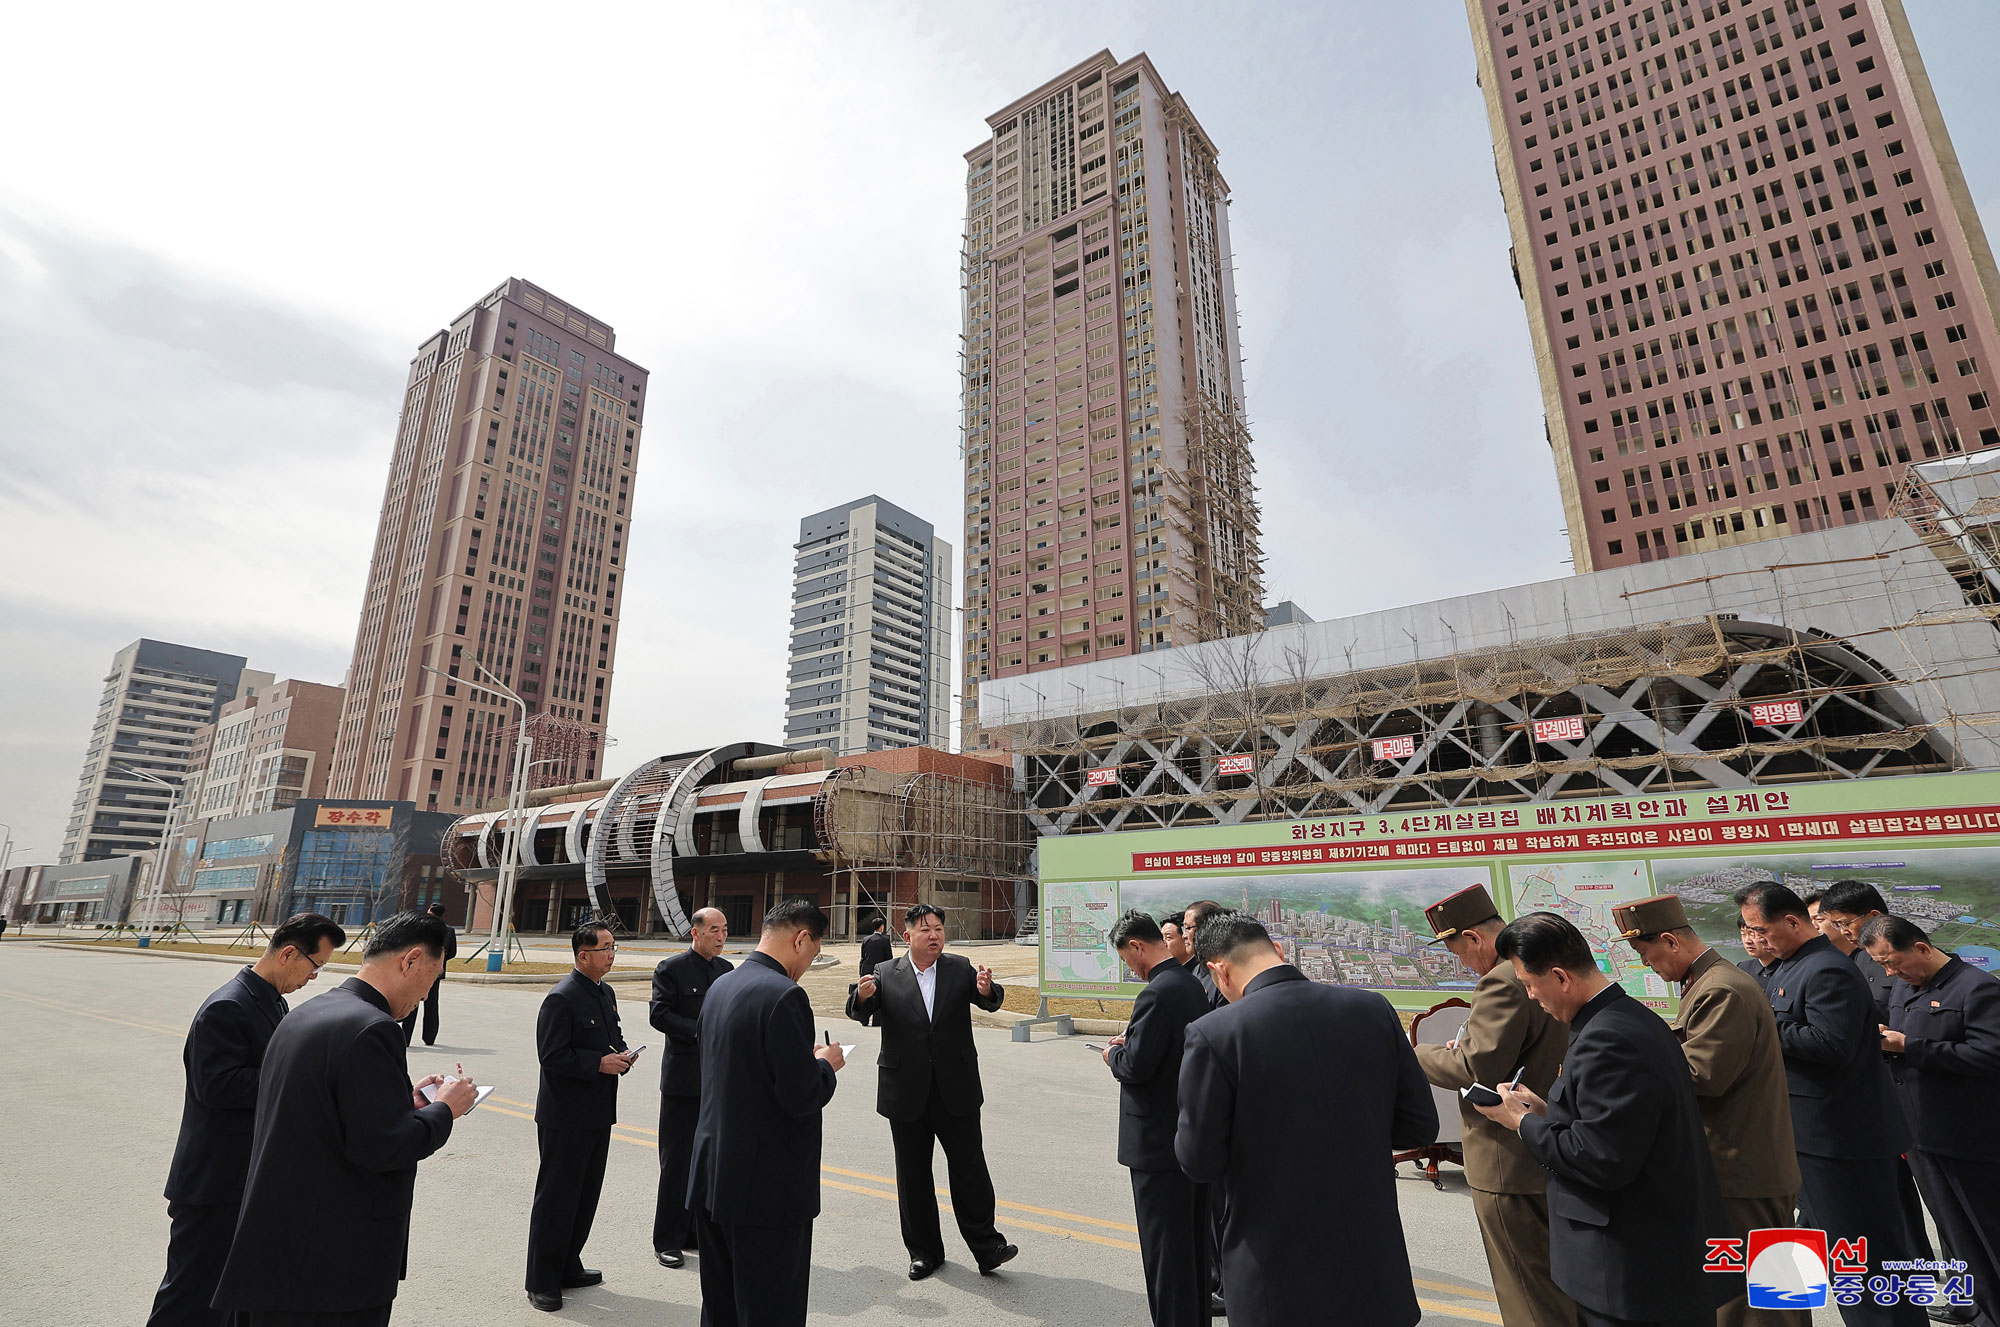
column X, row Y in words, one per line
column 90, row 1092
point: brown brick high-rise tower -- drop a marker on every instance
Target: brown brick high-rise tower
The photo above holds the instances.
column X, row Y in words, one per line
column 502, row 542
column 1754, row 277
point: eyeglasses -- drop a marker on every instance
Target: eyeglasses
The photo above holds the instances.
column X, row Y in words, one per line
column 599, row 949
column 317, row 963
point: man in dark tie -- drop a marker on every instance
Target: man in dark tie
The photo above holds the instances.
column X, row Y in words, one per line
column 1146, row 1061
column 753, row 1184
column 324, row 1235
column 582, row 1052
column 875, row 946
column 928, row 1088
column 680, row 985
column 221, row 1060
column 1632, row 1189
column 431, row 1000
column 1848, row 1129
column 1292, row 1058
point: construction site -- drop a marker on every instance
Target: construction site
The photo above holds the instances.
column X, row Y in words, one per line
column 1863, row 651
column 740, row 826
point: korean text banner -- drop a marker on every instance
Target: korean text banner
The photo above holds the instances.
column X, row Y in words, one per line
column 1344, row 896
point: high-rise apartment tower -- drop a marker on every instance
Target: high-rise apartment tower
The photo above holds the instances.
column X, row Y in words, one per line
column 1754, row 278
column 871, row 631
column 502, row 545
column 1110, row 504
column 156, row 699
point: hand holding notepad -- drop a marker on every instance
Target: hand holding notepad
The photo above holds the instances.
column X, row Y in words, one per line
column 430, row 1091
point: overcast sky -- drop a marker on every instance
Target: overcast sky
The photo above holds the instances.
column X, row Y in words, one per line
column 224, row 231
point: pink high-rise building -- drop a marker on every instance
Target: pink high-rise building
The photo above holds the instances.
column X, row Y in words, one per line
column 1754, row 277
column 501, row 546
column 1110, row 501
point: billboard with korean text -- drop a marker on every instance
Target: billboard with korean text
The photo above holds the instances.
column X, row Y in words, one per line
column 1344, row 895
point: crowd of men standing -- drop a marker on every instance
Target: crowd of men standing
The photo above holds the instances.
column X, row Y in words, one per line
column 1833, row 1081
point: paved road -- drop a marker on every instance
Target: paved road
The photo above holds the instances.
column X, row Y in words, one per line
column 90, row 1084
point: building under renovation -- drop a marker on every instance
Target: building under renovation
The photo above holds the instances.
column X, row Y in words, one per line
column 1856, row 652
column 739, row 827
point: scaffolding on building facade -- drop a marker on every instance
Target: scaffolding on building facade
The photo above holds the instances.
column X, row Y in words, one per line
column 1674, row 707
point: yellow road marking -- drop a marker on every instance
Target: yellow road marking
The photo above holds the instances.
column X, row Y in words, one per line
column 86, row 1013
column 1085, row 1235
column 1471, row 1292
column 1457, row 1311
column 620, row 1130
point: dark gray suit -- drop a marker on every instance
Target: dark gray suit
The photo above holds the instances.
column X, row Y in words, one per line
column 221, row 1060
column 754, row 1178
column 1294, row 1059
column 1848, row 1130
column 680, row 985
column 575, row 1106
column 333, row 1166
column 1172, row 1209
column 1632, row 1189
column 927, row 1087
column 1948, row 1076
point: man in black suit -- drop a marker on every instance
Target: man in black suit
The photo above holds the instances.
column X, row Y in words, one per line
column 680, row 985
column 753, row 1184
column 927, row 1087
column 1632, row 1189
column 324, row 1235
column 582, row 1052
column 875, row 946
column 222, row 1057
column 431, row 1000
column 1839, row 913
column 1177, row 942
column 1848, row 1130
column 1292, row 1058
column 1192, row 918
column 1943, row 1037
column 1146, row 1061
column 1762, row 960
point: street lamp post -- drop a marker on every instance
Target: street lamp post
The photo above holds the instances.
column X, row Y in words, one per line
column 165, row 853
column 6, row 855
column 510, row 855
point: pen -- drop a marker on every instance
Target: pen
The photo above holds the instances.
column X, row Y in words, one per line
column 1517, row 1078
column 827, row 1037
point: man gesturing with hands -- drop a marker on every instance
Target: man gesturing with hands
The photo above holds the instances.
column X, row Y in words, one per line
column 928, row 1088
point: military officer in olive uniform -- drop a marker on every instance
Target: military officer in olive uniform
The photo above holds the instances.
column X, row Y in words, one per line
column 1730, row 1037
column 1505, row 1031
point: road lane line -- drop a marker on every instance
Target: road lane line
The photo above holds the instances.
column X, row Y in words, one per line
column 1471, row 1292
column 891, row 1184
column 87, row 1013
column 1457, row 1311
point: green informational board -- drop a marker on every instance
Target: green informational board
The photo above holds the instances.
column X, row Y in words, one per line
column 1344, row 896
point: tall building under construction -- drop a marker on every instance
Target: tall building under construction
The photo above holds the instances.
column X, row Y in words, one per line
column 1110, row 496
column 1756, row 285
